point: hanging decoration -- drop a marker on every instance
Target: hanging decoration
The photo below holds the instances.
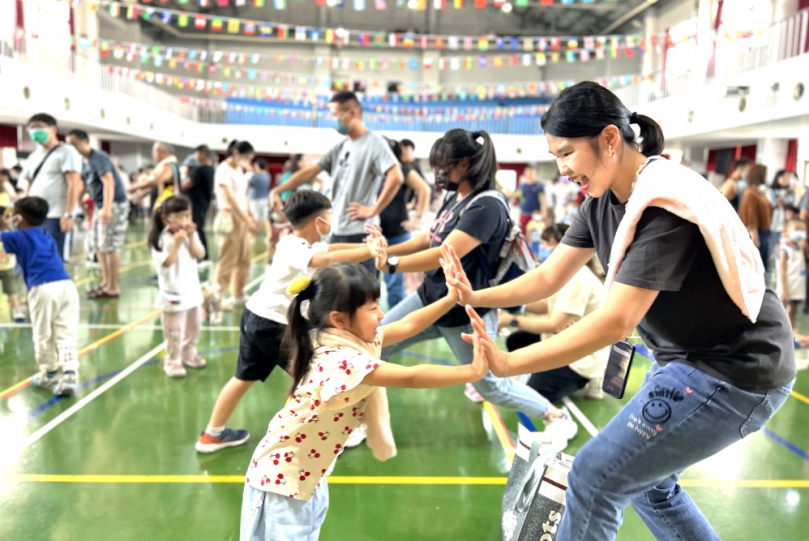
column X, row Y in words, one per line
column 312, row 91
column 149, row 53
column 613, row 45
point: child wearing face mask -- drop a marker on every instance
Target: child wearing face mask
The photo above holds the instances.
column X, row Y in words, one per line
column 338, row 385
column 52, row 297
column 264, row 319
column 791, row 273
column 176, row 248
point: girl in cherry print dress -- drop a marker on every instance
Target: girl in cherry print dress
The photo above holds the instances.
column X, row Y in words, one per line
column 338, row 384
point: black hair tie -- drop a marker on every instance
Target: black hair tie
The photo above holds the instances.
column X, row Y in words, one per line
column 633, row 118
column 309, row 293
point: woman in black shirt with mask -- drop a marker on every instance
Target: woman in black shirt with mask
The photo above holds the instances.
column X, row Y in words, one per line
column 475, row 225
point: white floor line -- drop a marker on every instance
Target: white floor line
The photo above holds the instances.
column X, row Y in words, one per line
column 253, row 283
column 72, row 410
column 578, row 414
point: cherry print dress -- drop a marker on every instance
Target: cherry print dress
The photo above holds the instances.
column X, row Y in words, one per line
column 305, row 438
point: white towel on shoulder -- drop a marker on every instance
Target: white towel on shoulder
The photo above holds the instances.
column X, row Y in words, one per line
column 687, row 194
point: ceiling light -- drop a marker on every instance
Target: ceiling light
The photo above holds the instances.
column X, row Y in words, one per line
column 332, row 3
column 507, row 7
column 413, row 4
column 341, row 32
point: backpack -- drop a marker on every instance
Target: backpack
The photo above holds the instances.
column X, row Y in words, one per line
column 516, row 258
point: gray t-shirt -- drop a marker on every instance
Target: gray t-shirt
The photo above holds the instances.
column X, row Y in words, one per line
column 50, row 183
column 357, row 168
column 99, row 163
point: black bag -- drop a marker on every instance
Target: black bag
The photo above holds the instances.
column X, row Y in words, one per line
column 534, row 500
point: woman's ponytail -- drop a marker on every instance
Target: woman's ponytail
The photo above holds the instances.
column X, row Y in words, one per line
column 586, row 108
column 652, row 141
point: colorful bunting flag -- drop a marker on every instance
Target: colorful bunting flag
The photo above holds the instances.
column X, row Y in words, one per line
column 182, row 20
column 233, row 26
column 200, row 22
column 216, row 25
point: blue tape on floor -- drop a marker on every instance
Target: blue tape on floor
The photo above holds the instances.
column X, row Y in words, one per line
column 56, row 399
column 789, row 445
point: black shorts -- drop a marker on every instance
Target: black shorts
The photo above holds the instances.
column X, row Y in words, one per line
column 259, row 347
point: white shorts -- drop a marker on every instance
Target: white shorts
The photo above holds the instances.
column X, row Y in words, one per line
column 261, row 209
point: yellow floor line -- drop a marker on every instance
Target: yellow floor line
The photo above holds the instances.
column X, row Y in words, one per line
column 260, row 256
column 368, row 480
column 800, row 397
column 500, row 429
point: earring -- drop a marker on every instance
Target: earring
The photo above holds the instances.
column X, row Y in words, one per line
column 612, row 152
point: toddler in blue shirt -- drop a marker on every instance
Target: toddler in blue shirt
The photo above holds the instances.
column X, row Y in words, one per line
column 53, row 300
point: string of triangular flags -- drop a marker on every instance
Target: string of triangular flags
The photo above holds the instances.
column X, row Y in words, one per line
column 413, row 93
column 202, row 59
column 611, row 44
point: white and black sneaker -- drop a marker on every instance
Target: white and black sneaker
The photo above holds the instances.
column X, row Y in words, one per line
column 358, row 436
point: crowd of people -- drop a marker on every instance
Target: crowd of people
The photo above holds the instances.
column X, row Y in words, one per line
column 317, row 313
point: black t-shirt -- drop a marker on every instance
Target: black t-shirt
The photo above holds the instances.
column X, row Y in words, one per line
column 693, row 320
column 486, row 220
column 201, row 192
column 390, row 220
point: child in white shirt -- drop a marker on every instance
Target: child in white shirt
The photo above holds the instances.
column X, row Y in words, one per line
column 176, row 248
column 338, row 385
column 264, row 319
column 790, row 278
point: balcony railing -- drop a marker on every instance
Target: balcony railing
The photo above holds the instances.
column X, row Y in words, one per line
column 782, row 40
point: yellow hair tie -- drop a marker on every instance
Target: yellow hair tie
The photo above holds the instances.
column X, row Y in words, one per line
column 299, row 285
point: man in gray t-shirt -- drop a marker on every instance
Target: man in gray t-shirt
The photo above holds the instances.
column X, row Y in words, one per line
column 53, row 172
column 360, row 166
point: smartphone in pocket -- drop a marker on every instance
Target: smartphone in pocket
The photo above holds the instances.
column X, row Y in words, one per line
column 618, row 366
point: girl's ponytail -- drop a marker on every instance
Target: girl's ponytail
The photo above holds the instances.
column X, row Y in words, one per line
column 157, row 228
column 296, row 337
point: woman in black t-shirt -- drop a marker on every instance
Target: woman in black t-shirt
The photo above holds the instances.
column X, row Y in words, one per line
column 474, row 221
column 718, row 376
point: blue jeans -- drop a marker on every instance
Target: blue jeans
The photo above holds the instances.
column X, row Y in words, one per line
column 63, row 241
column 679, row 417
column 394, row 283
column 501, row 391
column 267, row 516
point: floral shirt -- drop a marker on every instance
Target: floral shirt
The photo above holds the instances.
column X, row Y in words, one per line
column 305, row 438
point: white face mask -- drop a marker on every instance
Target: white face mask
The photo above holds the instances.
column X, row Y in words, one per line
column 797, row 236
column 327, row 233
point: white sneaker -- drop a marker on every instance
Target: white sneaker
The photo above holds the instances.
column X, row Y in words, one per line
column 559, row 431
column 358, row 436
column 593, row 390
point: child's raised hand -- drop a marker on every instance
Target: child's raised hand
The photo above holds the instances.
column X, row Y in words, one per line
column 455, row 276
column 480, row 360
column 191, row 227
column 496, row 359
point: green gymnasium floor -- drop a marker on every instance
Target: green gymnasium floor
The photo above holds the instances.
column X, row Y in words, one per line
column 117, row 462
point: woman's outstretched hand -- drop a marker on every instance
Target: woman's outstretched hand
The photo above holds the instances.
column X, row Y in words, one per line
column 495, row 357
column 455, row 275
